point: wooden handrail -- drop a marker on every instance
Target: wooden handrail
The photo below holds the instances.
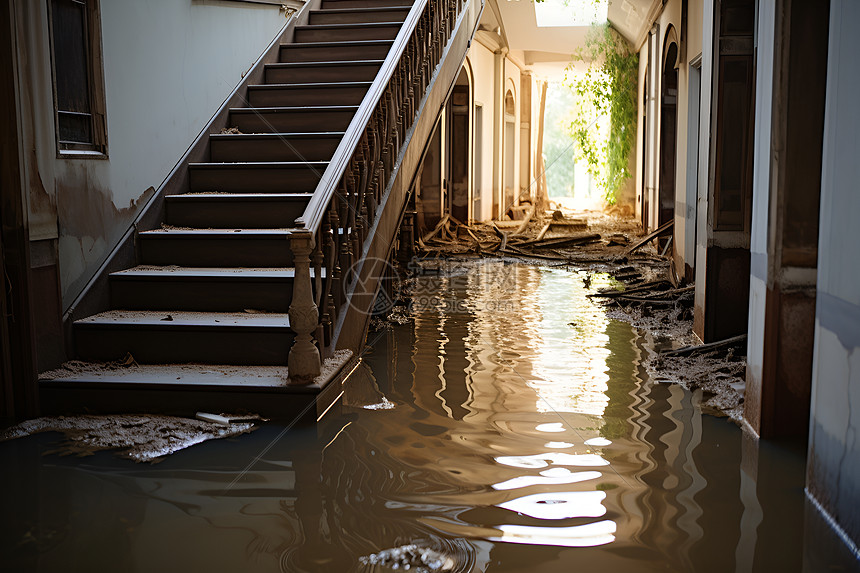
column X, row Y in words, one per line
column 314, row 213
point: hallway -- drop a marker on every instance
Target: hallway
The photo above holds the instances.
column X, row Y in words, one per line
column 538, row 444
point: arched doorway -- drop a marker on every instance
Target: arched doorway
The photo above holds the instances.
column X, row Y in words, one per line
column 459, row 120
column 668, row 130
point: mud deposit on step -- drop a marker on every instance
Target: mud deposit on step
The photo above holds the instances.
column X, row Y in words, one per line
column 142, row 438
column 526, row 435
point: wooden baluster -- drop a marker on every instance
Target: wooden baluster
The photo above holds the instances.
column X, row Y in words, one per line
column 303, row 362
column 326, row 250
column 317, row 257
column 333, row 273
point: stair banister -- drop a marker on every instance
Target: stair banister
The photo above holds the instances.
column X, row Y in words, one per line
column 353, row 184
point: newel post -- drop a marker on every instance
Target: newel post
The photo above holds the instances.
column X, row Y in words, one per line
column 304, row 360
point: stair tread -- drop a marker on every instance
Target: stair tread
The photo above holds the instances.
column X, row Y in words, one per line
column 239, row 196
column 325, row 63
column 173, row 232
column 331, row 43
column 347, row 25
column 278, row 136
column 179, row 374
column 179, row 272
column 295, row 108
column 363, row 10
column 315, row 85
column 255, row 164
column 180, row 319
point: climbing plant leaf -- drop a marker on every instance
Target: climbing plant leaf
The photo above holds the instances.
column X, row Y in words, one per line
column 604, row 126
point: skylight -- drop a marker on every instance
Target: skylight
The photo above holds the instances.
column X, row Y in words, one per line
column 551, row 13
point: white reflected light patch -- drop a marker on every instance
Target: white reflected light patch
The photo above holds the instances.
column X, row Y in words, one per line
column 526, row 481
column 556, row 458
column 556, row 472
column 598, row 442
column 589, row 535
column 558, row 445
column 553, row 427
column 559, row 505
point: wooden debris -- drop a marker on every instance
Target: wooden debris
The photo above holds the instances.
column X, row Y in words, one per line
column 560, row 241
column 653, row 285
column 543, row 231
column 659, row 232
column 733, row 342
column 530, row 211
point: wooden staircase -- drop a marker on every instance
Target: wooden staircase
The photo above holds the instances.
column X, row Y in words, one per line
column 213, row 286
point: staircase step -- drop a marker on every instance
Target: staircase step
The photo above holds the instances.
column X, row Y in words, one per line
column 359, row 15
column 273, row 146
column 347, row 32
column 340, row 93
column 236, row 210
column 316, row 72
column 338, row 51
column 341, row 4
column 216, row 247
column 184, row 389
column 172, row 337
column 257, row 177
column 202, row 289
column 288, row 119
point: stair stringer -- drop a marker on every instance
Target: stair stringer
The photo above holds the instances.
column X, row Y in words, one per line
column 351, row 326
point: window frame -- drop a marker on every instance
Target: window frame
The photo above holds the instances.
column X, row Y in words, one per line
column 97, row 149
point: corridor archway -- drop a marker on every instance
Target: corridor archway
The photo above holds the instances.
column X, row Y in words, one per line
column 668, row 129
column 459, row 163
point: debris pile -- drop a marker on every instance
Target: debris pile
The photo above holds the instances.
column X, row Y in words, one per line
column 586, row 240
column 408, row 558
column 718, row 369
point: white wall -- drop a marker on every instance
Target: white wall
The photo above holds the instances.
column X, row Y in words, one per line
column 481, row 59
column 513, row 83
column 168, row 66
column 834, row 448
column 761, row 195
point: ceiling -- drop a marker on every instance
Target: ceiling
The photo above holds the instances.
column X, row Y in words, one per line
column 548, row 50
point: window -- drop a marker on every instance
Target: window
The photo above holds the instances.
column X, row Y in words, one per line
column 77, row 70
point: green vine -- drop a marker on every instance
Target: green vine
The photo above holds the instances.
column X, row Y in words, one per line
column 607, row 89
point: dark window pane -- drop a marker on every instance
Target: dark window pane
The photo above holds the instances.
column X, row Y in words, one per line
column 69, row 29
column 733, row 167
column 737, row 21
column 75, row 127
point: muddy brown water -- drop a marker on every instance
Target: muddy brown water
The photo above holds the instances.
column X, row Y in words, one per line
column 509, row 427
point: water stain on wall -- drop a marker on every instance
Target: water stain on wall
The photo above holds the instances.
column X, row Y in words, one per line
column 90, row 226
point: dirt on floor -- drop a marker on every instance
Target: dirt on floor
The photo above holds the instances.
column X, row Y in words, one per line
column 647, row 293
column 142, row 438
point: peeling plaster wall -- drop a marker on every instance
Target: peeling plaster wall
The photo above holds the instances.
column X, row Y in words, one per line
column 834, row 448
column 168, row 66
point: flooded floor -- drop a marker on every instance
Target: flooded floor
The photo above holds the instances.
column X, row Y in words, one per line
column 508, row 427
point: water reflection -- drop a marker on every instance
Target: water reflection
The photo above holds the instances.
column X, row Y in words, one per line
column 516, row 432
column 559, row 505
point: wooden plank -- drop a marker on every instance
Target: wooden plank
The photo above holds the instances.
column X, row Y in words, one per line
column 659, row 232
